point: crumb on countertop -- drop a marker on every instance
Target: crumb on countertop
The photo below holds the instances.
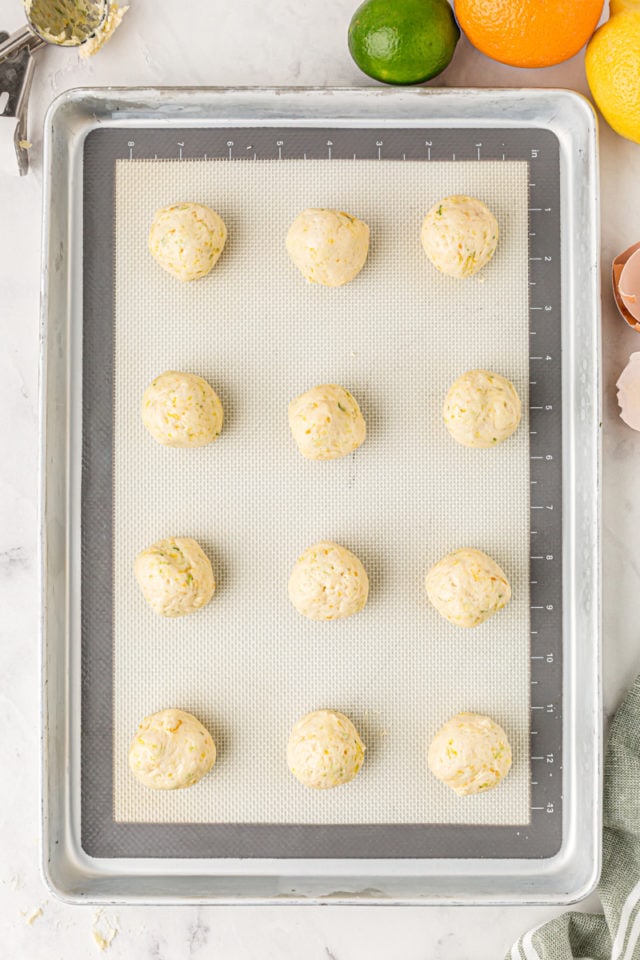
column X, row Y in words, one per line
column 33, row 915
column 103, row 931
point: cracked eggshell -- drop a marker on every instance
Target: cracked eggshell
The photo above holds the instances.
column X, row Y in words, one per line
column 625, row 277
column 629, row 392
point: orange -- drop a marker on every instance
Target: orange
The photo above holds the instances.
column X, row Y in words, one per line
column 528, row 33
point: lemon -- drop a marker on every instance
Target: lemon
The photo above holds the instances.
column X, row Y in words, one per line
column 403, row 41
column 612, row 65
column 618, row 6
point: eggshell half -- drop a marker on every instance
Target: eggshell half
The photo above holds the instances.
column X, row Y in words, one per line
column 629, row 392
column 629, row 285
column 625, row 278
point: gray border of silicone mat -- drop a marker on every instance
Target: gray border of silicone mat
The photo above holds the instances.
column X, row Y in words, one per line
column 101, row 835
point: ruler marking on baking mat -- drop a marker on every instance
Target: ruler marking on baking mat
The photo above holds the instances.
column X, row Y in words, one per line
column 101, row 834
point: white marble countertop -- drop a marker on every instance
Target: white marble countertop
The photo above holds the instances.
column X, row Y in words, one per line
column 261, row 43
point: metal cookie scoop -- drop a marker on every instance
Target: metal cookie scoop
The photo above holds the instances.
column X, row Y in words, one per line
column 63, row 23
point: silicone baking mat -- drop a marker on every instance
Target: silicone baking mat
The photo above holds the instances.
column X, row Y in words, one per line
column 249, row 665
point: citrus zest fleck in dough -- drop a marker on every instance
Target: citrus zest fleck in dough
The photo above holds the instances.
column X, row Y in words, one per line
column 175, row 576
column 467, row 587
column 324, row 750
column 171, row 750
column 459, row 235
column 328, row 582
column 186, row 239
column 326, row 422
column 470, row 753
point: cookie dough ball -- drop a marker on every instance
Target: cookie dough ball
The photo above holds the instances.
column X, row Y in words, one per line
column 328, row 246
column 187, row 239
column 481, row 409
column 171, row 750
column 175, row 576
column 459, row 235
column 467, row 587
column 181, row 410
column 328, row 582
column 470, row 753
column 324, row 750
column 326, row 422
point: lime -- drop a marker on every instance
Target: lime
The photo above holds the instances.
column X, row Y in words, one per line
column 403, row 41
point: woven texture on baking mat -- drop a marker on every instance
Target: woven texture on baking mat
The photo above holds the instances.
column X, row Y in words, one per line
column 249, row 665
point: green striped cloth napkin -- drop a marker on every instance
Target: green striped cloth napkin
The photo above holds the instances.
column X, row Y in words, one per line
column 614, row 935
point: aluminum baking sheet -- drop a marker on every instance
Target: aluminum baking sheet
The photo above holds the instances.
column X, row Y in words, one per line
column 411, row 671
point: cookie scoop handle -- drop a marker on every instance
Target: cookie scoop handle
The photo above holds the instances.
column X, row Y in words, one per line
column 23, row 39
